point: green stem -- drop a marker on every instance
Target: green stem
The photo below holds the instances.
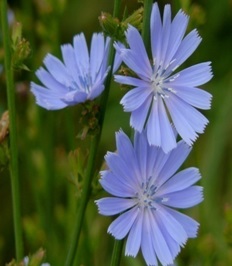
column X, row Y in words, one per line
column 92, row 158
column 13, row 136
column 117, row 4
column 146, row 23
column 118, row 244
column 116, row 257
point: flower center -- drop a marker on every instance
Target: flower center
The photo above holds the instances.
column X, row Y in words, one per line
column 146, row 196
column 157, row 86
column 84, row 83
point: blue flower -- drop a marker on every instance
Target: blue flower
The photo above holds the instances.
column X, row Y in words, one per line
column 161, row 97
column 145, row 189
column 80, row 78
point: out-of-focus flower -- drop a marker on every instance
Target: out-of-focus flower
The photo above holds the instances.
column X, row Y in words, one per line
column 160, row 96
column 26, row 262
column 80, row 78
column 145, row 189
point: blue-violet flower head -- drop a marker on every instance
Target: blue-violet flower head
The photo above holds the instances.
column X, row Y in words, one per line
column 80, row 78
column 146, row 189
column 161, row 97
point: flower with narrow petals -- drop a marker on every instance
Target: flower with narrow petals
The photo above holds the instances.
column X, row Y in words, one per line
column 80, row 78
column 160, row 96
column 145, row 189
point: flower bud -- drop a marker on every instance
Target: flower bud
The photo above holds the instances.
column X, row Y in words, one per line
column 109, row 24
column 21, row 48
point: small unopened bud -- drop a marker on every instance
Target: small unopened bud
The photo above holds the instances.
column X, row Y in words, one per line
column 135, row 19
column 20, row 46
column 16, row 33
column 109, row 24
column 37, row 258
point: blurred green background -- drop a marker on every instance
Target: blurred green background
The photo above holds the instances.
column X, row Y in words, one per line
column 48, row 141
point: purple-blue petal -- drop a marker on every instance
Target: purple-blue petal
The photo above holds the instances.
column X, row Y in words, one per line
column 120, row 227
column 138, row 117
column 180, row 181
column 136, row 44
column 187, row 120
column 194, row 96
column 186, row 198
column 190, row 225
column 135, row 98
column 171, row 162
column 133, row 242
column 147, row 243
column 111, row 206
column 46, row 98
column 58, row 70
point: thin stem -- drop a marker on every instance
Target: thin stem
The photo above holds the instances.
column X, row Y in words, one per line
column 83, row 202
column 146, row 23
column 118, row 244
column 117, row 4
column 13, row 133
column 92, row 158
column 116, row 257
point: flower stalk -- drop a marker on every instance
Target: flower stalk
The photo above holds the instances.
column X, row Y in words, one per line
column 13, row 132
column 116, row 256
column 146, row 23
column 118, row 244
column 92, row 157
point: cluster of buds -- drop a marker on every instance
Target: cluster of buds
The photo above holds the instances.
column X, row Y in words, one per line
column 89, row 119
column 35, row 259
column 115, row 28
column 20, row 46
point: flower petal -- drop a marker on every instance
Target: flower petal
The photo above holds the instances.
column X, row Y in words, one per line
column 156, row 34
column 178, row 29
column 180, row 181
column 116, row 186
column 111, row 206
column 187, row 120
column 127, row 154
column 120, row 227
column 192, row 76
column 190, row 225
column 81, row 54
column 97, row 53
column 137, row 46
column 50, row 82
column 172, row 245
column 173, row 227
column 138, row 117
column 159, row 242
column 186, row 198
column 188, row 45
column 131, row 81
column 133, row 242
column 74, row 97
column 147, row 245
column 46, row 98
column 132, row 60
column 58, row 70
column 196, row 97
column 159, row 130
column 70, row 62
column 165, row 32
column 135, row 98
column 117, row 59
column 173, row 161
column 141, row 149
